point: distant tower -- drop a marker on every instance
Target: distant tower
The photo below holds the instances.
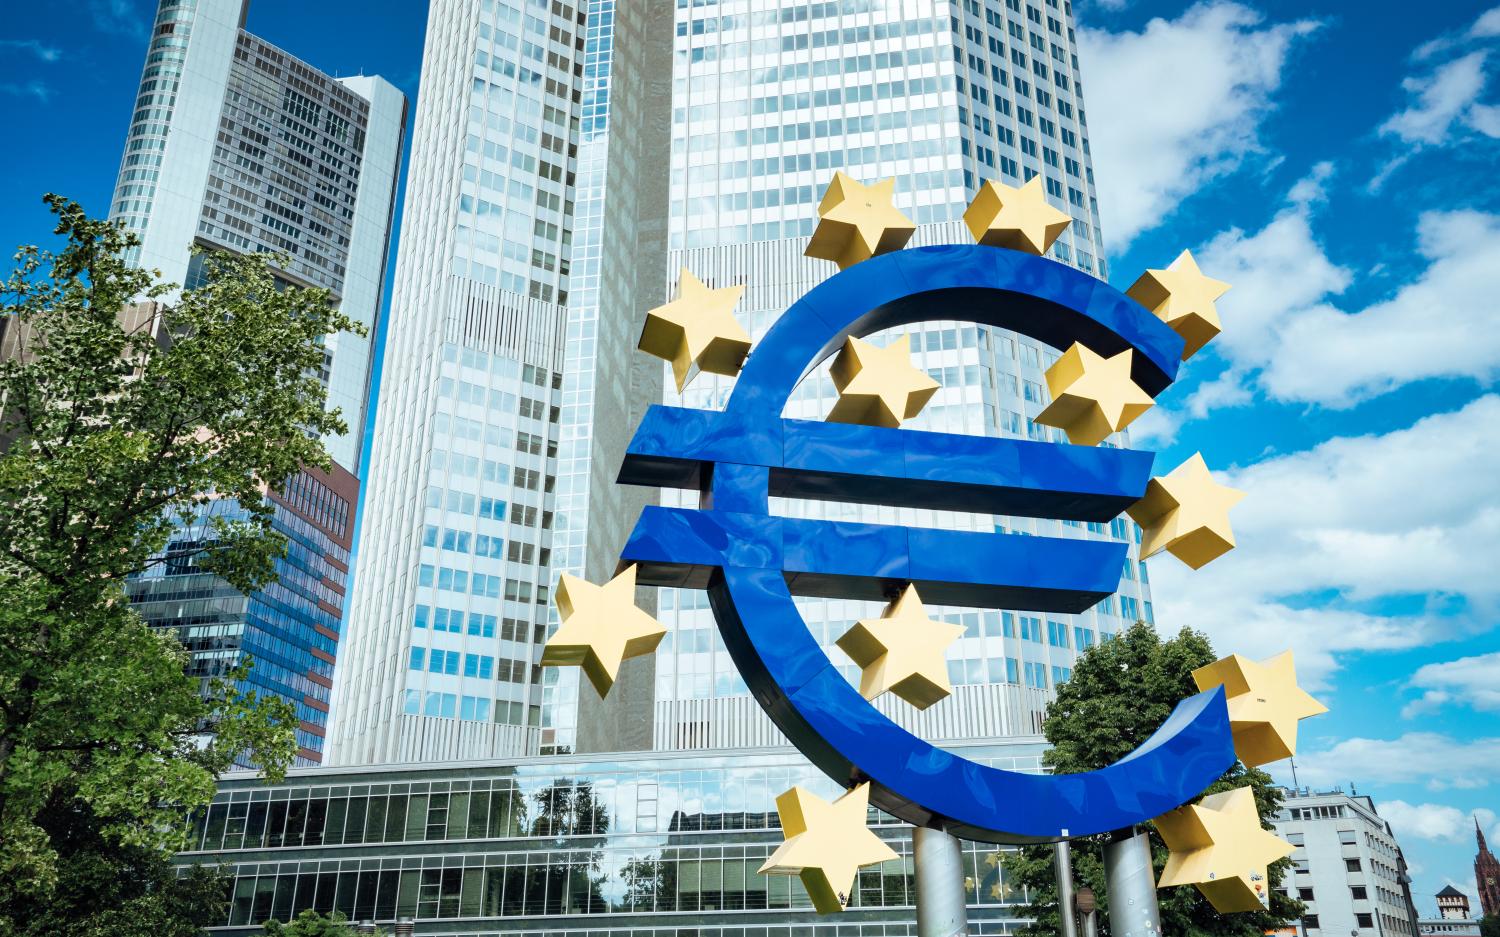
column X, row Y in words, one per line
column 1487, row 875
column 1453, row 905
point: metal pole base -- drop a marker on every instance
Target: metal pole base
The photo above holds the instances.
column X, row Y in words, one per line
column 1132, row 886
column 1062, row 857
column 942, row 906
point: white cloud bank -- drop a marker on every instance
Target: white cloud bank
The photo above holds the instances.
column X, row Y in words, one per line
column 1470, row 681
column 1436, row 822
column 1414, row 512
column 1177, row 105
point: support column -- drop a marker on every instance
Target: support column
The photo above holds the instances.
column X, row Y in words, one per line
column 1131, row 881
column 942, row 906
column 1063, row 863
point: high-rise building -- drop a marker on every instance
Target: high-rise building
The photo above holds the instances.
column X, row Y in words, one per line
column 1347, row 868
column 768, row 102
column 237, row 145
column 508, row 388
column 1486, row 874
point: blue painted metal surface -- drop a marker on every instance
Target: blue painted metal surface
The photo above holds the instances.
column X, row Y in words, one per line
column 752, row 563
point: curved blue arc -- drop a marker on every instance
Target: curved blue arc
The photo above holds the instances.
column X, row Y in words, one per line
column 851, row 741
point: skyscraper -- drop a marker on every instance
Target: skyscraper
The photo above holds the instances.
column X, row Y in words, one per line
column 237, row 145
column 507, row 383
column 767, row 104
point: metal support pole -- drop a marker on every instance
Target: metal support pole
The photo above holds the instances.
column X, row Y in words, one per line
column 1090, row 928
column 942, row 906
column 1063, row 862
column 1131, row 882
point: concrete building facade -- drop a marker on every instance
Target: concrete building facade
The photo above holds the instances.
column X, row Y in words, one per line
column 1347, row 867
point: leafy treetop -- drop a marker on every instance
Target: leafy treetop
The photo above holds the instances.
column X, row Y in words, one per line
column 128, row 409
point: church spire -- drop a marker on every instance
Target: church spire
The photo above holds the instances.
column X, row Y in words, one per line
column 1479, row 834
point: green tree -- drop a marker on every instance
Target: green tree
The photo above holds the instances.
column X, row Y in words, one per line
column 1489, row 926
column 120, row 421
column 312, row 924
column 1120, row 694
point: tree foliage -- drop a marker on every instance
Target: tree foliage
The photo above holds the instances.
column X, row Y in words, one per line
column 121, row 421
column 1120, row 694
column 108, row 889
column 1489, row 926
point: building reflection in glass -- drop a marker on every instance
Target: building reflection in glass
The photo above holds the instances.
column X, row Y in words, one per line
column 479, row 849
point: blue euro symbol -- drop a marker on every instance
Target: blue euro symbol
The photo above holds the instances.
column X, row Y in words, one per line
column 752, row 563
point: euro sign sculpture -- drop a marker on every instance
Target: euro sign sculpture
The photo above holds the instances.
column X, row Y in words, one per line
column 753, row 563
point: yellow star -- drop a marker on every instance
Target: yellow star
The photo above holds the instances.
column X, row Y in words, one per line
column 827, row 844
column 1182, row 297
column 1092, row 396
column 600, row 628
column 879, row 386
column 1020, row 219
column 1265, row 705
column 1186, row 513
column 698, row 329
column 902, row 652
column 1219, row 845
column 856, row 222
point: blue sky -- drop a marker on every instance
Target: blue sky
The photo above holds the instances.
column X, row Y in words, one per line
column 1331, row 160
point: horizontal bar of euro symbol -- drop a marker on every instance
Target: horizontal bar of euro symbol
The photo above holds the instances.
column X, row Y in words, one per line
column 677, row 448
column 681, row 548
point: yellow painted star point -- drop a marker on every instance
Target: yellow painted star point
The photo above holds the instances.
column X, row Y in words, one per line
column 1018, row 218
column 1265, row 704
column 697, row 330
column 857, row 221
column 1183, row 297
column 1219, row 845
column 1092, row 396
column 1186, row 513
column 879, row 386
column 902, row 652
column 601, row 627
column 827, row 844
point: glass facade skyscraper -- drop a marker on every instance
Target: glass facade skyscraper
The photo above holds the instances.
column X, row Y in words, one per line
column 237, row 145
column 499, row 365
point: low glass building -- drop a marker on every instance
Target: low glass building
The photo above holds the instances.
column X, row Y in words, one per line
column 647, row 845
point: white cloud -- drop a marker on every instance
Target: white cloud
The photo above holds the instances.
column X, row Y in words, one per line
column 1441, row 100
column 1437, row 822
column 1443, row 324
column 1472, row 681
column 1285, row 335
column 1487, row 25
column 1439, row 761
column 35, row 46
column 1178, row 105
column 30, row 89
column 127, row 17
column 1413, row 512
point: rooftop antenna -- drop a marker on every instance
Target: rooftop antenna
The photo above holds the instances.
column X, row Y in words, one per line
column 1294, row 774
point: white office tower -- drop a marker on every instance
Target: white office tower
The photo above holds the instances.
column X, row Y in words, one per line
column 235, row 144
column 512, row 269
column 1347, row 868
column 769, row 100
